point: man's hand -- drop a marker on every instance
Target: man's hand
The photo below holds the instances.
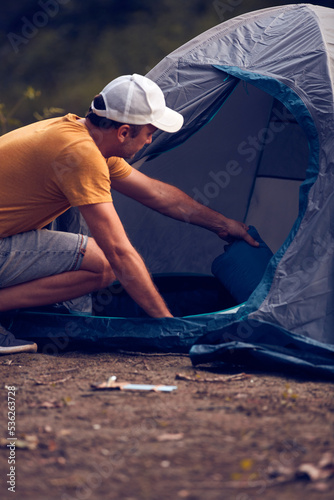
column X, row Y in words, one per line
column 236, row 230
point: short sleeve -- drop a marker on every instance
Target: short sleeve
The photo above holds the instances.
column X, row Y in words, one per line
column 118, row 168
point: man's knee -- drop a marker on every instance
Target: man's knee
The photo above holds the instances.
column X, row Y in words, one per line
column 96, row 262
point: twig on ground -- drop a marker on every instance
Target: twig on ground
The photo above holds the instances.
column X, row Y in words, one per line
column 238, row 376
column 51, row 382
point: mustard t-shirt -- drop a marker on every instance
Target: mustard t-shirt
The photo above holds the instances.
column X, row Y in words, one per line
column 49, row 166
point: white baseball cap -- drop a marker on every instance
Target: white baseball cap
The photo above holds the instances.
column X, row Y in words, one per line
column 137, row 100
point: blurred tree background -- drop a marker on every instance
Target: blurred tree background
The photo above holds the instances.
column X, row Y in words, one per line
column 57, row 54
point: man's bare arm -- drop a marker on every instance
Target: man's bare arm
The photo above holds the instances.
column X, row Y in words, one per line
column 174, row 203
column 127, row 264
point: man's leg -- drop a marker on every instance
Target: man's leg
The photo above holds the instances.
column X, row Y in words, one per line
column 72, row 221
column 94, row 273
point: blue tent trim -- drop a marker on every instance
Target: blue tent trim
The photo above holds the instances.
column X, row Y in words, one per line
column 232, row 339
column 293, row 102
column 241, row 340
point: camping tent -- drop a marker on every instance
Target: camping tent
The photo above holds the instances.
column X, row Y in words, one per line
column 257, row 145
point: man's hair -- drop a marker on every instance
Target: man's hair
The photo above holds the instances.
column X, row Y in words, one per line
column 105, row 123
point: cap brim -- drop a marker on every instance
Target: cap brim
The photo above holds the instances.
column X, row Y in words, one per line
column 171, row 121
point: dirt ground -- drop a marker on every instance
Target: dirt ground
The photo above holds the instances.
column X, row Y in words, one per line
column 220, row 435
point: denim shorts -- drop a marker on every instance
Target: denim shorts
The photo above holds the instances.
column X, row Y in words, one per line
column 37, row 254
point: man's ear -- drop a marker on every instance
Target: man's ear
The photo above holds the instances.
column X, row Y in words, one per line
column 123, row 132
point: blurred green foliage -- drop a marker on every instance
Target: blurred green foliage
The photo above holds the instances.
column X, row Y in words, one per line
column 70, row 49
